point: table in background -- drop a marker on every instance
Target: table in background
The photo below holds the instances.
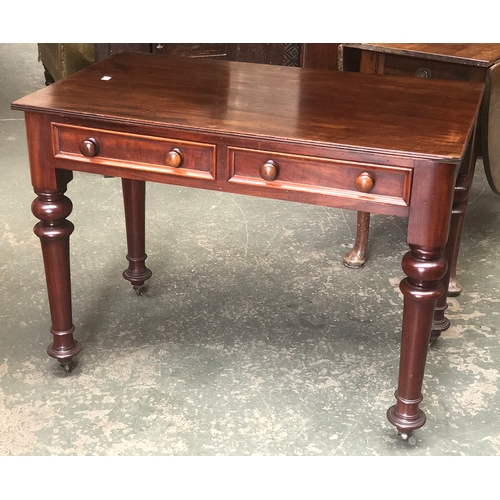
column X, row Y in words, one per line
column 474, row 62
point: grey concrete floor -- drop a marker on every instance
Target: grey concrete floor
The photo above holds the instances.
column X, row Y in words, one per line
column 253, row 338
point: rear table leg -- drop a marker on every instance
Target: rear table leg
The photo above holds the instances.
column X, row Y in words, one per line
column 451, row 286
column 134, row 197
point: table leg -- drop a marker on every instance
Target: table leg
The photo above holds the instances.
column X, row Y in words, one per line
column 134, row 197
column 52, row 208
column 454, row 287
column 421, row 288
column 460, row 200
column 356, row 257
column 425, row 266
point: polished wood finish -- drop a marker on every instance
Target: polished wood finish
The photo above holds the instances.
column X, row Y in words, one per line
column 206, row 96
column 174, row 158
column 356, row 257
column 365, row 182
column 181, row 158
column 315, row 175
column 269, row 171
column 89, row 147
column 468, row 54
column 294, row 134
column 134, row 198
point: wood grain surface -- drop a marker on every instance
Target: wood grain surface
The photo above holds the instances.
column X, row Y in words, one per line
column 429, row 119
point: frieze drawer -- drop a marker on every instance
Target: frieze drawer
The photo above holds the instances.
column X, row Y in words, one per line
column 373, row 182
column 132, row 151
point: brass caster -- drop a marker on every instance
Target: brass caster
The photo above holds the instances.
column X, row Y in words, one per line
column 140, row 290
column 454, row 288
column 353, row 265
column 433, row 341
column 68, row 366
column 353, row 260
column 408, row 438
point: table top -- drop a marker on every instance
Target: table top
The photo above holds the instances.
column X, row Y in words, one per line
column 396, row 115
column 473, row 54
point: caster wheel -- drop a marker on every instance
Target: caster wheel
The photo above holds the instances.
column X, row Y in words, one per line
column 140, row 290
column 407, row 437
column 68, row 367
column 454, row 288
column 352, row 262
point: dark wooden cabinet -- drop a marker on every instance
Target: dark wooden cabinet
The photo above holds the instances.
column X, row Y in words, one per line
column 319, row 55
column 263, row 53
column 63, row 59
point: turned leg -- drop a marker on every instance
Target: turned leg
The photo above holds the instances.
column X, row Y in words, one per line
column 421, row 288
column 356, row 257
column 54, row 231
column 134, row 197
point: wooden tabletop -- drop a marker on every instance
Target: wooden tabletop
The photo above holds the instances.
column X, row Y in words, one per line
column 473, row 54
column 410, row 116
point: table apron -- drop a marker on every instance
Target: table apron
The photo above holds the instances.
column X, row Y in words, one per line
column 305, row 174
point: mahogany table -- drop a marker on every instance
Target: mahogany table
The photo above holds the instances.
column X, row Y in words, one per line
column 394, row 146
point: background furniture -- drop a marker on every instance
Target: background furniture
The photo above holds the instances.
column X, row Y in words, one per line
column 63, row 59
column 450, row 61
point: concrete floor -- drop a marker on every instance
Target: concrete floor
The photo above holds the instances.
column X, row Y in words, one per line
column 253, row 338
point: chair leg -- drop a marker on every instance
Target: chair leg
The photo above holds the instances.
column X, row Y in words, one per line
column 357, row 256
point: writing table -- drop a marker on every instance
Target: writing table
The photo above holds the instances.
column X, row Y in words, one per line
column 394, row 146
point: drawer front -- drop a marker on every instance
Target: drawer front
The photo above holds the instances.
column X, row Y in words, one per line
column 135, row 152
column 398, row 65
column 371, row 182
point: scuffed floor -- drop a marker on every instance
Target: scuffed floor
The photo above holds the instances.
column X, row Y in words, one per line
column 253, row 338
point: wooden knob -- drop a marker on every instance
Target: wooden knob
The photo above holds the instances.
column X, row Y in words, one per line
column 89, row 147
column 269, row 171
column 174, row 158
column 364, row 182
